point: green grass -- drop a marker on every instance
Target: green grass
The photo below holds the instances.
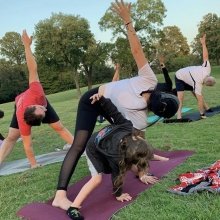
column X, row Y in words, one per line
column 154, row 204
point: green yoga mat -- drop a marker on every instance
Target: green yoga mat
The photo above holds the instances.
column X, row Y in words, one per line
column 153, row 118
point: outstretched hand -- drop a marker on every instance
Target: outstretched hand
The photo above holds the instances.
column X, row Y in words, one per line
column 146, row 179
column 123, row 10
column 203, row 39
column 161, row 59
column 27, row 41
column 124, row 197
column 95, row 98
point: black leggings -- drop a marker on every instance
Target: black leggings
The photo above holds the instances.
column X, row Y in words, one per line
column 167, row 86
column 85, row 122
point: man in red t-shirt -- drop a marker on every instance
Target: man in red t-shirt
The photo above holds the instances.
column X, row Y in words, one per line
column 31, row 108
column 1, row 137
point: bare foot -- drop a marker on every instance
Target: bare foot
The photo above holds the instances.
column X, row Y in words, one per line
column 157, row 157
column 61, row 201
column 164, row 159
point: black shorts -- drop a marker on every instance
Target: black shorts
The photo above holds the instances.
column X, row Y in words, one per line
column 182, row 86
column 50, row 117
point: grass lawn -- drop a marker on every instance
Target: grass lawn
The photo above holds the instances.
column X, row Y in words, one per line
column 154, row 204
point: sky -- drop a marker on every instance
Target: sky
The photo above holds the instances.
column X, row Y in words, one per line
column 16, row 15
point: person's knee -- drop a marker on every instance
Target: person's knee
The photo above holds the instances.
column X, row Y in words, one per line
column 12, row 137
column 58, row 127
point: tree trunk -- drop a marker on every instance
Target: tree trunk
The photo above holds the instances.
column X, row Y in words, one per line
column 89, row 77
column 76, row 80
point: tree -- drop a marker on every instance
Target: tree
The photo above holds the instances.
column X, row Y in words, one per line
column 96, row 54
column 147, row 16
column 211, row 26
column 173, row 45
column 13, row 81
column 63, row 40
column 12, row 48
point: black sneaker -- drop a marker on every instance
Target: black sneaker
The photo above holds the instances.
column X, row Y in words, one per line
column 74, row 213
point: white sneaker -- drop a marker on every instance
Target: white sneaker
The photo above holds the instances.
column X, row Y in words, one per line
column 67, row 147
column 19, row 139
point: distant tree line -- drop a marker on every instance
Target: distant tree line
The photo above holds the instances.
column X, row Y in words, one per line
column 68, row 55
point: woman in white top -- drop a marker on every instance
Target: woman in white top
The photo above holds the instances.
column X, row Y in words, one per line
column 132, row 97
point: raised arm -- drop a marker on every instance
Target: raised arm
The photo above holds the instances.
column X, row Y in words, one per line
column 116, row 74
column 110, row 109
column 161, row 60
column 123, row 10
column 204, row 48
column 31, row 63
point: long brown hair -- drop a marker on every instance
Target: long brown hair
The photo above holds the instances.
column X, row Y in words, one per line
column 134, row 151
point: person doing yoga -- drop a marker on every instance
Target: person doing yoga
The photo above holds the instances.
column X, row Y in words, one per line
column 114, row 150
column 132, row 97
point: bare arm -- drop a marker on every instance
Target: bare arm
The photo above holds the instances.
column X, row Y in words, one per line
column 161, row 60
column 204, row 48
column 123, row 10
column 31, row 63
column 200, row 103
column 27, row 142
column 116, row 74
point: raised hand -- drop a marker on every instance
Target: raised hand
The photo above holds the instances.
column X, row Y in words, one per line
column 27, row 41
column 117, row 66
column 123, row 10
column 203, row 39
column 161, row 59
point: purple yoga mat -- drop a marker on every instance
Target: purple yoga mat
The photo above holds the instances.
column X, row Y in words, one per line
column 101, row 204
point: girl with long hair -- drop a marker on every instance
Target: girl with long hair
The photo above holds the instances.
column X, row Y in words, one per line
column 114, row 150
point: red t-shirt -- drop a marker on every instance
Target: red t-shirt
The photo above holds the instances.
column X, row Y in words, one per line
column 32, row 96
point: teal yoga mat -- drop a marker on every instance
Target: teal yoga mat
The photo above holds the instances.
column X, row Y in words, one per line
column 153, row 118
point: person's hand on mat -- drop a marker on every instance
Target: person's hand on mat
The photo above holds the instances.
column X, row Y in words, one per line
column 36, row 165
column 146, row 179
column 95, row 98
column 124, row 197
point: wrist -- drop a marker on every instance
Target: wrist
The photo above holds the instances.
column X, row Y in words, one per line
column 127, row 23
